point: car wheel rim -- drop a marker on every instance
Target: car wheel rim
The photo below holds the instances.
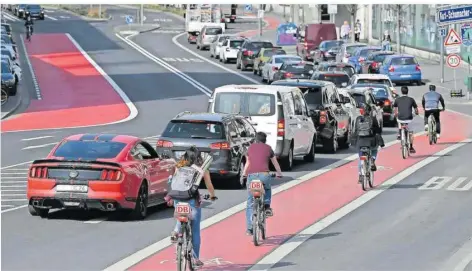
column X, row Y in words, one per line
column 290, row 158
column 241, row 171
column 142, row 201
column 335, row 140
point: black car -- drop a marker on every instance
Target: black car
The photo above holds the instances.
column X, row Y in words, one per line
column 248, row 51
column 20, row 10
column 294, row 70
column 365, row 96
column 225, row 137
column 7, row 28
column 384, row 98
column 9, row 81
column 35, row 11
column 326, row 107
column 348, row 68
column 374, row 60
column 340, row 79
column 327, row 50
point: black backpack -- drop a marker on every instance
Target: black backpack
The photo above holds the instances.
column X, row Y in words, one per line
column 184, row 183
column 364, row 126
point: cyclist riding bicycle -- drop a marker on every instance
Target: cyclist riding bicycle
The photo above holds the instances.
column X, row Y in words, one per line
column 257, row 168
column 192, row 196
column 430, row 102
column 29, row 22
column 403, row 110
column 368, row 133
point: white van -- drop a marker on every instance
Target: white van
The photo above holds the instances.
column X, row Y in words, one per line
column 279, row 111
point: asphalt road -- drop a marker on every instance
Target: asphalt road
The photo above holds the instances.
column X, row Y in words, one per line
column 159, row 95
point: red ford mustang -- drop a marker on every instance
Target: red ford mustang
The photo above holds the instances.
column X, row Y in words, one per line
column 99, row 171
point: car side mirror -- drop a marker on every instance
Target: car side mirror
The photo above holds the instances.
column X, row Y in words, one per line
column 239, row 47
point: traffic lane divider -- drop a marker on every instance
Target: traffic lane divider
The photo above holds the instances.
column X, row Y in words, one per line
column 303, row 205
column 76, row 92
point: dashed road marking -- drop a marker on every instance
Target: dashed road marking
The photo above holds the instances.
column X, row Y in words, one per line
column 167, row 31
column 50, row 17
column 36, row 138
column 162, row 20
column 33, row 75
column 178, row 59
column 10, row 17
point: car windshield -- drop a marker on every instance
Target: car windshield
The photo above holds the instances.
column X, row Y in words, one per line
column 298, row 67
column 374, row 81
column 351, row 49
column 34, row 7
column 360, row 98
column 6, row 53
column 213, row 31
column 379, row 58
column 246, row 104
column 235, row 43
column 347, row 69
column 89, row 149
column 404, row 61
column 313, row 95
column 5, row 67
column 269, row 53
column 194, row 129
column 280, row 60
column 337, row 79
column 366, row 52
column 258, row 45
column 331, row 44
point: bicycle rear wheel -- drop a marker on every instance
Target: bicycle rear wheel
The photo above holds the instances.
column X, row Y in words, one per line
column 262, row 224
column 255, row 222
column 182, row 249
column 371, row 175
column 404, row 145
column 430, row 130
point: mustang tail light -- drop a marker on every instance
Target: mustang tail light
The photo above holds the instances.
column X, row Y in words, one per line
column 391, row 69
column 111, row 175
column 165, row 144
column 288, row 75
column 39, row 172
column 281, row 127
column 220, row 146
column 323, row 117
column 418, row 68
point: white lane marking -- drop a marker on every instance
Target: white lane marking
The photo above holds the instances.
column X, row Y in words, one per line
column 162, row 20
column 3, row 180
column 435, row 183
column 15, row 165
column 13, row 190
column 144, row 253
column 461, row 258
column 36, row 138
column 166, row 31
column 174, row 40
column 170, row 59
column 13, row 173
column 290, row 245
column 13, row 209
column 162, row 63
column 64, row 17
column 6, row 200
column 49, row 11
column 132, row 108
column 11, row 186
column 30, row 67
column 50, row 17
column 40, row 146
column 10, row 17
column 13, row 195
column 96, row 220
column 6, row 171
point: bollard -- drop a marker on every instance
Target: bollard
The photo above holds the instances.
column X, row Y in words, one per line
column 469, row 86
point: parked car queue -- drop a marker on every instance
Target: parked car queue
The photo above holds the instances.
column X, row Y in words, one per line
column 11, row 70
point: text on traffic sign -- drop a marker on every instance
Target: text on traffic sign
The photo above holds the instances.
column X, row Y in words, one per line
column 454, row 15
column 453, row 60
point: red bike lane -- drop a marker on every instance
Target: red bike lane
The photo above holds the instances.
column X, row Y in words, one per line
column 74, row 93
column 303, row 205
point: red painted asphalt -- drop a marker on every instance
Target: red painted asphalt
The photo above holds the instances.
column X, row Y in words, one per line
column 303, row 205
column 272, row 24
column 73, row 92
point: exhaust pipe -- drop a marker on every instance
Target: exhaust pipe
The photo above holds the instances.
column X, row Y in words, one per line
column 35, row 203
column 110, row 206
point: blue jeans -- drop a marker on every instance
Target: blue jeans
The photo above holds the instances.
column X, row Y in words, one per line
column 373, row 153
column 196, row 218
column 266, row 179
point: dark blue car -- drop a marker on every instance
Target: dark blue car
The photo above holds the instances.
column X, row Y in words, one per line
column 359, row 56
column 402, row 68
column 35, row 11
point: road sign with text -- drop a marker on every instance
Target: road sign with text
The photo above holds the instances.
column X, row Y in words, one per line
column 466, row 33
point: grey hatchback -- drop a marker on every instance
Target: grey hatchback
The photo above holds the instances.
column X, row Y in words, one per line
column 225, row 137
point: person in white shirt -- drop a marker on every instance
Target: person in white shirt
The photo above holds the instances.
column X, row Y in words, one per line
column 345, row 30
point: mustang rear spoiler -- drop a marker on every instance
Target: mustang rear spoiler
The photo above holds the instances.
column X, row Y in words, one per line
column 42, row 161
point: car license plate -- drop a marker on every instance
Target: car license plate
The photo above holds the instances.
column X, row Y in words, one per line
column 71, row 188
column 71, row 203
column 178, row 154
column 405, row 76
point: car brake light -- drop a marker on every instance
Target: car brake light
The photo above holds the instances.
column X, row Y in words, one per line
column 247, row 53
column 361, row 111
column 373, row 65
column 165, row 144
column 220, row 146
column 391, row 69
column 281, row 128
column 288, row 74
column 386, row 103
column 39, row 172
column 323, row 117
column 110, row 175
column 418, row 68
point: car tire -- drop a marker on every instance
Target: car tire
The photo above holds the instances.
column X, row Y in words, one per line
column 217, row 56
column 140, row 210
column 346, row 140
column 243, row 68
column 310, row 157
column 419, row 83
column 225, row 60
column 43, row 213
column 331, row 145
column 239, row 180
column 254, row 71
column 13, row 90
column 221, row 60
column 287, row 162
column 259, row 72
column 263, row 79
column 198, row 47
column 211, row 55
column 238, row 64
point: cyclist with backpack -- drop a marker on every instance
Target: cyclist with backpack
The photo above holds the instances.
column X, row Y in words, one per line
column 430, row 102
column 183, row 186
column 367, row 133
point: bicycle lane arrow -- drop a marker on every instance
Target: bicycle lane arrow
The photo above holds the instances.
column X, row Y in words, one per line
column 303, row 205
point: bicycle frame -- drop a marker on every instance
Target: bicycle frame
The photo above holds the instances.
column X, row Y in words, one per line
column 405, row 140
column 258, row 213
column 182, row 213
column 366, row 167
column 432, row 135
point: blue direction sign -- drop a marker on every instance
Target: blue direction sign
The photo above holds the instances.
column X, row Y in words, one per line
column 129, row 19
column 466, row 33
column 454, row 15
column 443, row 32
column 248, row 7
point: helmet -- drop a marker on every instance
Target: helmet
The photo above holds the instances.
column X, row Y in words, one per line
column 432, row 87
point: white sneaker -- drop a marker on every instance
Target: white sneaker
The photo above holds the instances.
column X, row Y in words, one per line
column 438, row 136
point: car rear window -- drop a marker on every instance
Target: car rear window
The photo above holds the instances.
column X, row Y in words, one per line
column 360, row 98
column 89, row 149
column 280, row 60
column 373, row 81
column 269, row 53
column 298, row 67
column 366, row 52
column 246, row 104
column 213, row 31
column 336, row 79
column 258, row 45
column 379, row 92
column 404, row 61
column 347, row 69
column 34, row 6
column 331, row 44
column 313, row 95
column 223, row 38
column 379, row 58
column 351, row 49
column 194, row 129
column 235, row 43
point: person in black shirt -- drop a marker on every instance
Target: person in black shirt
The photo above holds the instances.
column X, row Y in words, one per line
column 403, row 110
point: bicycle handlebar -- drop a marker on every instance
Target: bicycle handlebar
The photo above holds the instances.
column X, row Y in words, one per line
column 271, row 174
column 207, row 197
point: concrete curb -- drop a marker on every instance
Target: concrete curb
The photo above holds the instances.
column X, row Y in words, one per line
column 15, row 107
